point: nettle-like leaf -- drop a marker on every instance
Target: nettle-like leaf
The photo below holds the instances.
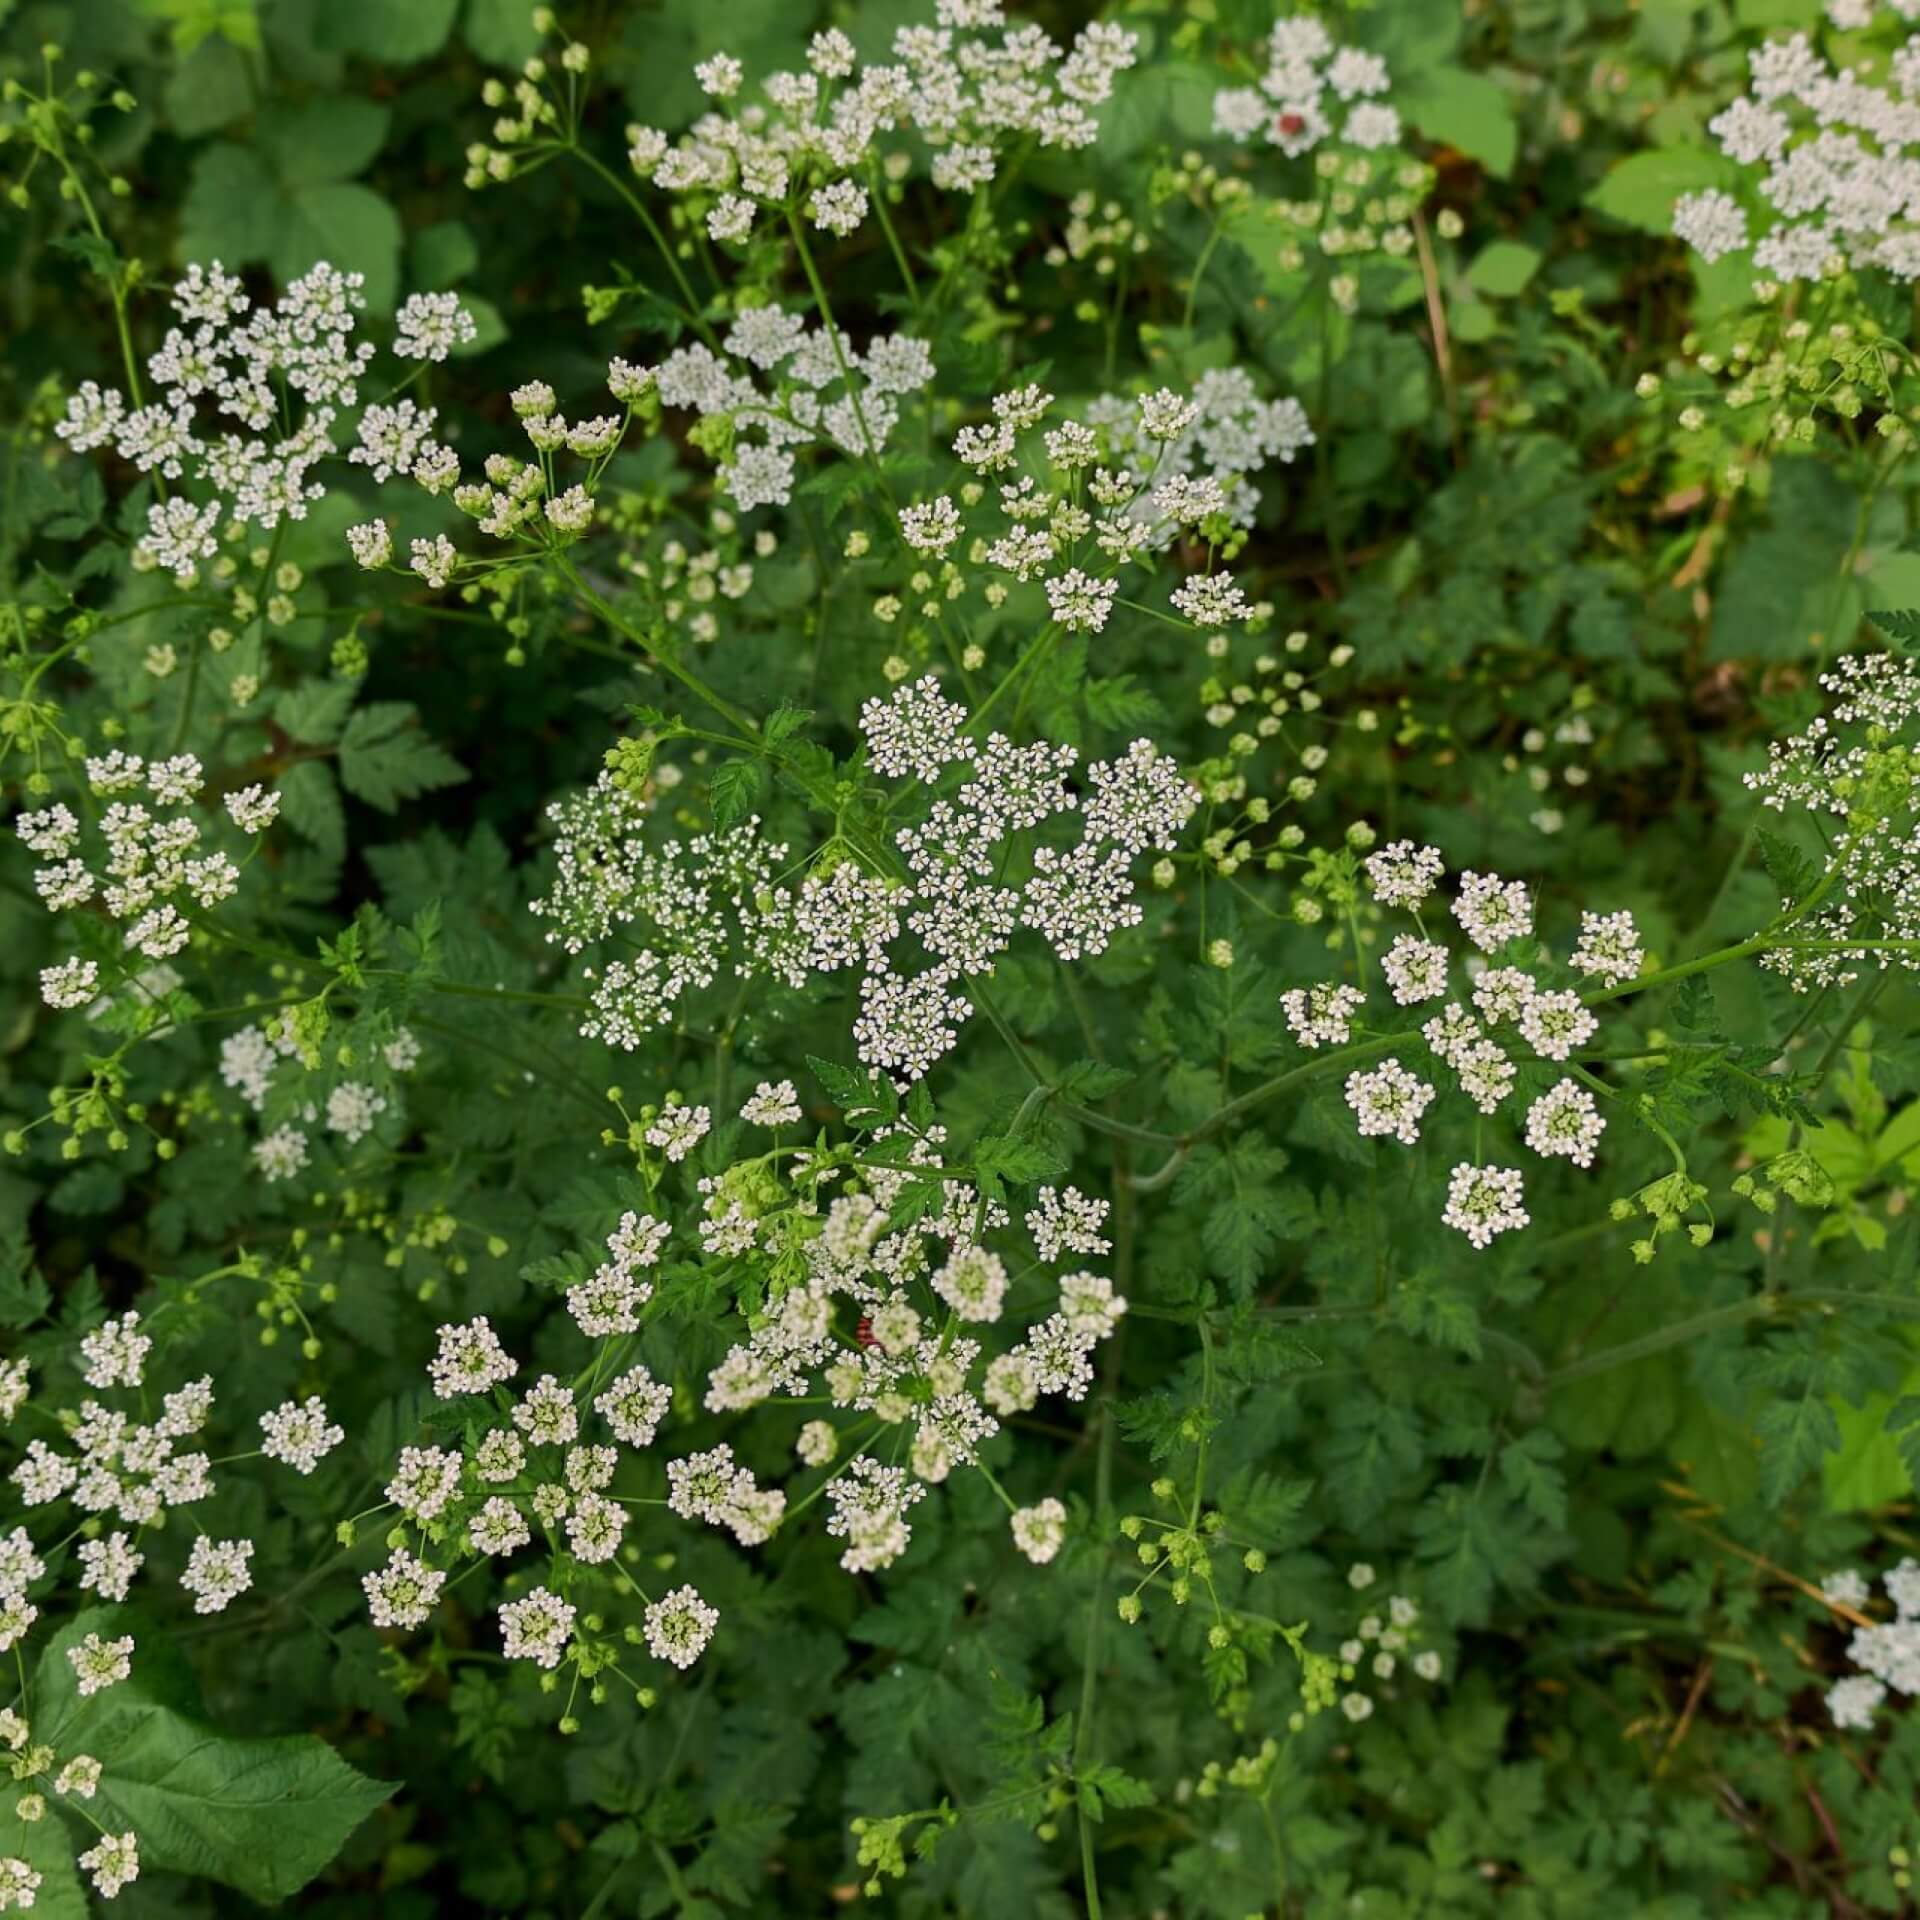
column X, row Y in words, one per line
column 385, row 758
column 260, row 1815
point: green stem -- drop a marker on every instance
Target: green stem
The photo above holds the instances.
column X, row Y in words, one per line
column 1761, row 1306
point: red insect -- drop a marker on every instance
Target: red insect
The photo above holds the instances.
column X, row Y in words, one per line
column 864, row 1331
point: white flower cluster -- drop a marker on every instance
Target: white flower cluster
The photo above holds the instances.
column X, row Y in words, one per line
column 1073, row 510
column 1856, row 772
column 1377, row 1648
column 817, row 388
column 275, row 379
column 969, row 86
column 956, row 889
column 689, row 587
column 1887, row 1654
column 262, row 1064
column 532, row 1474
column 35, row 1766
column 517, row 500
column 151, row 860
column 1389, row 1100
column 1839, row 168
column 1309, row 81
column 133, row 1471
column 890, row 1322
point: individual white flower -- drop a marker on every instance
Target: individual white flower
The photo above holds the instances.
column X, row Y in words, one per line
column 973, row 1283
column 546, row 1414
column 114, row 1862
column 1556, row 1024
column 720, row 76
column 1853, row 1702
column 1565, row 1121
column 677, row 1130
column 72, row 983
column 435, row 560
column 536, row 1628
column 425, row 1479
column 280, row 1154
column 1039, row 1531
column 1079, row 602
column 838, row 208
column 1415, row 969
column 217, row 1573
column 1846, row 1588
column 498, row 1528
column 1491, row 911
column 1402, row 875
column 300, row 1436
column 730, row 219
column 1484, row 1201
column 916, row 732
column 679, row 1626
column 634, row 1405
column 932, row 527
column 253, row 809
column 107, row 1565
column 404, row 1592
column 180, row 535
column 1712, row 223
column 352, row 1108
column 1388, row 1100
column 1609, row 948
column 115, row 1353
column 1068, row 1222
column 772, row 1104
column 98, row 1664
column 430, row 325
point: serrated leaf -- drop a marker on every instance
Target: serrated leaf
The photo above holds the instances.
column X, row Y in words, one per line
column 733, row 790
column 315, row 711
column 385, row 758
column 260, row 1815
column 863, row 1099
column 1022, row 1161
column 1897, row 623
column 310, row 802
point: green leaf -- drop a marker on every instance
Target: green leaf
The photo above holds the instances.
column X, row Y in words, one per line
column 733, row 789
column 385, row 759
column 325, row 140
column 396, row 32
column 1100, row 1787
column 438, row 256
column 1897, row 623
column 1021, row 1161
column 260, row 1815
column 1466, row 110
column 501, row 32
column 310, row 799
column 1529, row 1466
column 314, row 712
column 1089, row 1082
column 863, row 1099
column 231, row 209
column 1503, row 268
column 207, row 89
column 1641, row 190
